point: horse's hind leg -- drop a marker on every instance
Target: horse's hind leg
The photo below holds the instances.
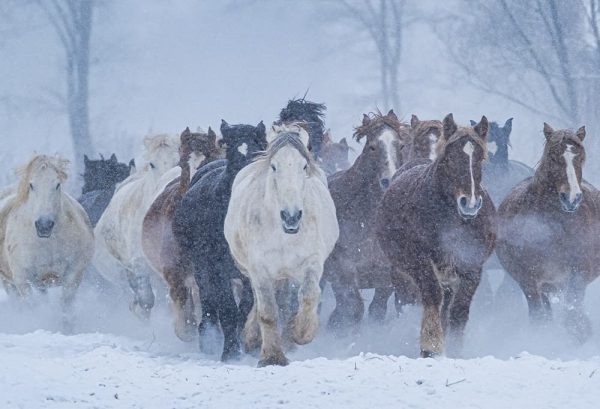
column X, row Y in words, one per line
column 576, row 321
column 209, row 321
column 268, row 317
column 378, row 306
column 349, row 307
column 459, row 311
column 306, row 323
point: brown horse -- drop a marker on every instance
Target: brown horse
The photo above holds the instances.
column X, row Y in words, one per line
column 424, row 136
column 158, row 242
column 357, row 261
column 437, row 225
column 548, row 235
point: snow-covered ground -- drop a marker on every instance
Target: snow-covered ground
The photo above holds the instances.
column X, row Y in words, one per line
column 114, row 361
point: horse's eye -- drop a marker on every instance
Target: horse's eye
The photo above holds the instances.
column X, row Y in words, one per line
column 58, row 186
column 372, row 148
column 273, row 167
column 152, row 165
column 31, row 186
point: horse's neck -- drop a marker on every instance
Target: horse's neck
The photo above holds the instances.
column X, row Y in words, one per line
column 364, row 175
column 500, row 158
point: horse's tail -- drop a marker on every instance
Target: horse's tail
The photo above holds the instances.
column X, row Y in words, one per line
column 185, row 150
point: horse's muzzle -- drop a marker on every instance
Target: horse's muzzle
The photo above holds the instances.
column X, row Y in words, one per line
column 291, row 222
column 568, row 205
column 466, row 209
column 43, row 227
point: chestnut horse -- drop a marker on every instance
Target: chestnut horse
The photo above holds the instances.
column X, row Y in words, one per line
column 357, row 261
column 158, row 243
column 548, row 235
column 437, row 225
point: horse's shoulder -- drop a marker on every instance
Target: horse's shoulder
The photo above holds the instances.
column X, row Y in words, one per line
column 76, row 211
column 517, row 197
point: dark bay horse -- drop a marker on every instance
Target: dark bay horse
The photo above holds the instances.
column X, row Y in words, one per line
column 158, row 243
column 437, row 225
column 548, row 232
column 334, row 155
column 357, row 261
column 198, row 230
column 100, row 178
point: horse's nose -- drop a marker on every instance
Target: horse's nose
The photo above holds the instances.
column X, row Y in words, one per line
column 291, row 221
column 469, row 209
column 567, row 204
column 44, row 226
column 385, row 183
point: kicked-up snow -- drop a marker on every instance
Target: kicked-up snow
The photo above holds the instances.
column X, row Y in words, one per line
column 115, row 361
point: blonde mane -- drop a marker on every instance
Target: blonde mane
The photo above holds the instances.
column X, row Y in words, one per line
column 38, row 163
column 156, row 143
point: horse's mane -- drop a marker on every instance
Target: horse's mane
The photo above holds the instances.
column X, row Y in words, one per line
column 57, row 163
column 288, row 135
column 377, row 121
column 461, row 132
column 311, row 113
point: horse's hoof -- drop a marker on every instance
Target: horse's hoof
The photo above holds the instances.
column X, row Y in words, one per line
column 186, row 334
column 278, row 360
column 233, row 355
column 429, row 354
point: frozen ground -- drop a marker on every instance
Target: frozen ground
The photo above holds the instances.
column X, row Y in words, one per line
column 116, row 362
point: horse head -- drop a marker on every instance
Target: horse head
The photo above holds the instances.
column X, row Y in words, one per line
column 242, row 142
column 461, row 153
column 385, row 139
column 161, row 152
column 334, row 155
column 424, row 136
column 289, row 164
column 562, row 164
column 311, row 113
column 498, row 141
column 40, row 191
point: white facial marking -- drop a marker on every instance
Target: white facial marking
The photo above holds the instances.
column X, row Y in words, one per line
column 469, row 149
column 492, row 147
column 432, row 151
column 243, row 149
column 387, row 138
column 574, row 188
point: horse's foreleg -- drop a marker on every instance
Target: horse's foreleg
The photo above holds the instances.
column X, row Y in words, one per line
column 246, row 303
column 228, row 317
column 69, row 289
column 539, row 315
column 306, row 323
column 209, row 320
column 268, row 316
column 459, row 311
column 349, row 306
column 576, row 321
column 139, row 281
column 378, row 306
column 406, row 292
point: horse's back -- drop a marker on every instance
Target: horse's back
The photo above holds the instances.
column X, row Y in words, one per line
column 499, row 180
column 95, row 202
column 205, row 169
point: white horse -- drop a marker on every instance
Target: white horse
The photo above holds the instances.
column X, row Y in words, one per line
column 119, row 257
column 281, row 225
column 46, row 237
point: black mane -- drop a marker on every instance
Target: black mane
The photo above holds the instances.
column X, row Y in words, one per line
column 310, row 112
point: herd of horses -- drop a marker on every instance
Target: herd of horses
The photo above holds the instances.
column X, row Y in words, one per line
column 245, row 230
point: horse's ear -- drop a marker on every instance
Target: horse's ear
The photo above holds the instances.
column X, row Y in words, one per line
column 224, row 125
column 581, row 133
column 86, row 160
column 414, row 121
column 392, row 114
column 304, row 137
column 473, row 123
column 212, row 136
column 482, row 127
column 548, row 131
column 131, row 165
column 366, row 120
column 343, row 142
column 113, row 158
column 273, row 132
column 449, row 126
column 508, row 125
column 262, row 130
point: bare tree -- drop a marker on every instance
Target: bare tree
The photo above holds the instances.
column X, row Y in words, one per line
column 384, row 22
column 72, row 22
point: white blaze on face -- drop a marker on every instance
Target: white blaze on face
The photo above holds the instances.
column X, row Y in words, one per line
column 243, row 149
column 469, row 149
column 492, row 147
column 432, row 152
column 574, row 188
column 387, row 139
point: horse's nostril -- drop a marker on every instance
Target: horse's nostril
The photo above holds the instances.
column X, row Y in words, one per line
column 284, row 215
column 385, row 183
column 299, row 214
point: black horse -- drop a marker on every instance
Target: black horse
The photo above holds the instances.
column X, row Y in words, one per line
column 198, row 229
column 499, row 176
column 100, row 178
